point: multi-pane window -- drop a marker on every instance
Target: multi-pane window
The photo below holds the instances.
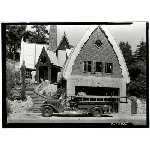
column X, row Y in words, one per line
column 98, row 43
column 92, row 66
column 108, row 68
column 98, row 67
column 87, row 66
column 28, row 74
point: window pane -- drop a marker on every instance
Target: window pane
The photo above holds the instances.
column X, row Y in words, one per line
column 98, row 66
column 89, row 66
column 84, row 65
column 98, row 43
column 108, row 68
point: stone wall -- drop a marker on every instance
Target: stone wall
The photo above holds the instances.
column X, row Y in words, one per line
column 104, row 54
column 78, row 80
column 141, row 106
column 126, row 108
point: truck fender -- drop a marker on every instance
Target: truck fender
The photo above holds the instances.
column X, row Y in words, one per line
column 47, row 106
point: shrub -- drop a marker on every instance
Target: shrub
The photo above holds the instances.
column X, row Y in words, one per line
column 12, row 77
column 8, row 106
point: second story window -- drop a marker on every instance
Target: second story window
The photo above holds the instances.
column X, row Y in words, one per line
column 87, row 66
column 108, row 68
column 98, row 67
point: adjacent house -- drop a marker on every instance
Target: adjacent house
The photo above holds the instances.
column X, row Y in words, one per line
column 44, row 62
column 96, row 65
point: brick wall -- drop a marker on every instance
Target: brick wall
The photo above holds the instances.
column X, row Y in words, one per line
column 104, row 54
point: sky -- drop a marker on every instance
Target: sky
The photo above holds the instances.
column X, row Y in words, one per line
column 133, row 33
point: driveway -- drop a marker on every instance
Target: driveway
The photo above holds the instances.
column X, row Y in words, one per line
column 67, row 117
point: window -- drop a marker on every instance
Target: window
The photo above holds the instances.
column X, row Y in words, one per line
column 87, row 66
column 28, row 74
column 108, row 67
column 98, row 67
column 98, row 43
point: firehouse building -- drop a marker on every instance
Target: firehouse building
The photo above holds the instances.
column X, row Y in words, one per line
column 94, row 66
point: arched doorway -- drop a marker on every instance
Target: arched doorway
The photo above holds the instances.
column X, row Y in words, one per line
column 43, row 73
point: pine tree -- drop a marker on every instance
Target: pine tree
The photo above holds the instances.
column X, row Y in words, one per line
column 137, row 86
column 140, row 53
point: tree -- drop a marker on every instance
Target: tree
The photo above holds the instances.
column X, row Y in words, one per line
column 127, row 53
column 137, row 86
column 140, row 53
column 14, row 34
column 39, row 35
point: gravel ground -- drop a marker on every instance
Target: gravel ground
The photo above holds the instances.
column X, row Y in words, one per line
column 75, row 118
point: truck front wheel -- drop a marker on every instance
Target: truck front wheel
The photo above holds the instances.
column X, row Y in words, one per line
column 97, row 112
column 47, row 112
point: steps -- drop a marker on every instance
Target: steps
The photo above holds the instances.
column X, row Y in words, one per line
column 36, row 98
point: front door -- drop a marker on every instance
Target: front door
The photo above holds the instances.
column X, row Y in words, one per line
column 43, row 73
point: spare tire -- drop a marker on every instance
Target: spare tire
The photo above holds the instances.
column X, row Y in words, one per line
column 47, row 111
column 97, row 112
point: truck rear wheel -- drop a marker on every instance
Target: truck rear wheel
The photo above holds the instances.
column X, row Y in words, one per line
column 47, row 112
column 97, row 112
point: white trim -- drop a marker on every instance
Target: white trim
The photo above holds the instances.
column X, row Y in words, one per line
column 85, row 36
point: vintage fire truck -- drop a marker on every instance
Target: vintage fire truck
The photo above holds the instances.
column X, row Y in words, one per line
column 92, row 105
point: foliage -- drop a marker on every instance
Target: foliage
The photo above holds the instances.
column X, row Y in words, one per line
column 23, row 87
column 127, row 52
column 39, row 35
column 57, row 94
column 8, row 106
column 137, row 68
column 12, row 77
column 140, row 53
column 14, row 34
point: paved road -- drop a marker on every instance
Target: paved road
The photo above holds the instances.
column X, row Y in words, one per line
column 115, row 119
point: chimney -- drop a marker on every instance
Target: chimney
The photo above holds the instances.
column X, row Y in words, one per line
column 53, row 38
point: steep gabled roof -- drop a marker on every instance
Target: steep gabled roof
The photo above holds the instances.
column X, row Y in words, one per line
column 63, row 43
column 53, row 58
column 85, row 36
column 30, row 53
column 50, row 56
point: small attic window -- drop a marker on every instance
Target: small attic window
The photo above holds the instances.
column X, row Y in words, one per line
column 98, row 43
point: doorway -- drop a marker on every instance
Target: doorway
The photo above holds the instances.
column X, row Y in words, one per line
column 43, row 73
column 133, row 107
